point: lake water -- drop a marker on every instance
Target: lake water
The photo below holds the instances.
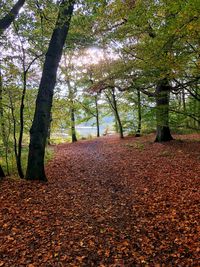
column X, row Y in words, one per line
column 82, row 131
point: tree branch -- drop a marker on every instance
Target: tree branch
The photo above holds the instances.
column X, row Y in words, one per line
column 6, row 21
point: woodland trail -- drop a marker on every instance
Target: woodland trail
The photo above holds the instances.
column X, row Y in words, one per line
column 108, row 202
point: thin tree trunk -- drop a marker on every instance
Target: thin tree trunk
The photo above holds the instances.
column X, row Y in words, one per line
column 2, row 121
column 115, row 108
column 21, row 131
column 97, row 115
column 14, row 128
column 73, row 128
column 72, row 111
column 138, row 133
column 162, row 111
column 41, row 121
column 5, row 132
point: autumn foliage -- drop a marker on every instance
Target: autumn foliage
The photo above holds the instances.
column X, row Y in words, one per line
column 108, row 202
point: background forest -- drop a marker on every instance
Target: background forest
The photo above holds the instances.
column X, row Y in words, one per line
column 134, row 64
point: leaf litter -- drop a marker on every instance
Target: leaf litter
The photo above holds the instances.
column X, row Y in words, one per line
column 108, row 202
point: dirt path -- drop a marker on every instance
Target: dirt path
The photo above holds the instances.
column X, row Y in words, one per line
column 108, row 202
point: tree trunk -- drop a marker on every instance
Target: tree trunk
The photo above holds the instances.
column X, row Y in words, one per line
column 162, row 111
column 97, row 115
column 1, row 172
column 49, row 131
column 41, row 121
column 21, row 131
column 117, row 114
column 2, row 123
column 73, row 129
column 72, row 111
column 138, row 133
column 10, row 17
column 14, row 122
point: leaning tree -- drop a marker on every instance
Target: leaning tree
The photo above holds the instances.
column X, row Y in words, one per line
column 41, row 121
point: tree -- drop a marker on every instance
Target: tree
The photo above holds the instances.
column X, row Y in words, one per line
column 41, row 121
column 162, row 111
column 111, row 97
column 5, row 22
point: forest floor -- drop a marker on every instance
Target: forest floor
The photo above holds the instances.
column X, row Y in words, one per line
column 108, row 202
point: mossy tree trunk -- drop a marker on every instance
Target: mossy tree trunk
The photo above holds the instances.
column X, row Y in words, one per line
column 162, row 111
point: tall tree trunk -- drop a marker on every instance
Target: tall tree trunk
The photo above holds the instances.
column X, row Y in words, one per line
column 72, row 111
column 117, row 115
column 162, row 111
column 2, row 121
column 97, row 115
column 73, row 128
column 21, row 131
column 39, row 129
column 113, row 104
column 10, row 16
column 14, row 127
column 138, row 133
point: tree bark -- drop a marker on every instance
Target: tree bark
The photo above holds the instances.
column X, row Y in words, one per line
column 41, row 121
column 113, row 104
column 21, row 131
column 2, row 175
column 73, row 129
column 97, row 115
column 162, row 111
column 138, row 133
column 6, row 21
column 72, row 111
column 2, row 123
column 49, row 131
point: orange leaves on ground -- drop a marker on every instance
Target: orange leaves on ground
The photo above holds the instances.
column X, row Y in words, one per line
column 108, row 202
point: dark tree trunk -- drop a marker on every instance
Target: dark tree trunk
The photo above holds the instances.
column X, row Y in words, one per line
column 41, row 121
column 10, row 17
column 72, row 111
column 2, row 123
column 97, row 115
column 1, row 172
column 21, row 132
column 138, row 133
column 114, row 102
column 162, row 111
column 49, row 131
column 73, row 128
